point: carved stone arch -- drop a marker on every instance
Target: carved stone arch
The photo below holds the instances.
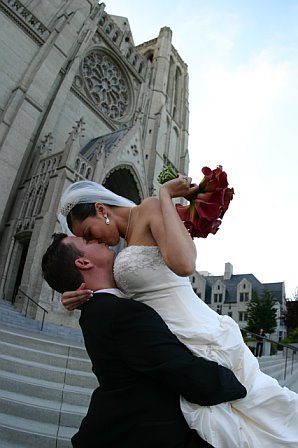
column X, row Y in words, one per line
column 41, row 198
column 16, row 263
column 129, row 52
column 31, row 202
column 124, row 181
column 176, row 130
column 88, row 173
column 177, row 93
column 77, row 164
column 135, row 59
column 115, row 36
column 102, row 20
column 108, row 28
column 149, row 55
column 140, row 67
column 83, row 168
column 171, row 78
column 38, row 197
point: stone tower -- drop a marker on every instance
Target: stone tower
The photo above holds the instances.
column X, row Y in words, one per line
column 78, row 100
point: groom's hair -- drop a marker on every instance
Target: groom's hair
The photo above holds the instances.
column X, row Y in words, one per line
column 58, row 265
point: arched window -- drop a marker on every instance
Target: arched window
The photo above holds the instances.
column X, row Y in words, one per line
column 82, row 170
column 77, row 164
column 108, row 28
column 88, row 173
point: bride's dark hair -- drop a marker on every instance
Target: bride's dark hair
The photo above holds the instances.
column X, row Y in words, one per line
column 79, row 213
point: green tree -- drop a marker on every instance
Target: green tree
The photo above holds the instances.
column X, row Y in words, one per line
column 290, row 316
column 261, row 312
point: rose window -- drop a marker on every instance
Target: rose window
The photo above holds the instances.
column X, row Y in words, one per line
column 105, row 84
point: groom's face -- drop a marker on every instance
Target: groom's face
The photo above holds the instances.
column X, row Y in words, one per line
column 98, row 253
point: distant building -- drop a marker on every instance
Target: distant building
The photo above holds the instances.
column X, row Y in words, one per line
column 230, row 294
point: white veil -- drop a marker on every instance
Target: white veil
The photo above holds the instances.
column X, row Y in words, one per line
column 84, row 192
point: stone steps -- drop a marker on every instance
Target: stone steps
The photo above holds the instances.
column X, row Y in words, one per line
column 13, row 318
column 45, row 410
column 275, row 367
column 18, row 432
column 45, row 386
column 72, row 395
column 46, row 382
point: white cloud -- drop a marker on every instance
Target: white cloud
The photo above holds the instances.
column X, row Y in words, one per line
column 236, row 103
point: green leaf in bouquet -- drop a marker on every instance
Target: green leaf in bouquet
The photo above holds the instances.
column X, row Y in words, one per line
column 166, row 174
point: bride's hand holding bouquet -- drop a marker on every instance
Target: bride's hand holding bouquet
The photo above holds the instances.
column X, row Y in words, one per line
column 208, row 201
column 180, row 186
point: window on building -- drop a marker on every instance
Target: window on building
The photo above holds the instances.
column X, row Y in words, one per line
column 242, row 316
column 230, row 313
column 244, row 297
column 217, row 298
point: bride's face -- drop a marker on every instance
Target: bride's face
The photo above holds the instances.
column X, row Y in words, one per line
column 95, row 228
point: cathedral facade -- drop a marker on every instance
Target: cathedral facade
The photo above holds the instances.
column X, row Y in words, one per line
column 78, row 100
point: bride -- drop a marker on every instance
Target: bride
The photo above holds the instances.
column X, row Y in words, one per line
column 154, row 268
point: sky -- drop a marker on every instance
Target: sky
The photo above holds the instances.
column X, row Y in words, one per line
column 242, row 58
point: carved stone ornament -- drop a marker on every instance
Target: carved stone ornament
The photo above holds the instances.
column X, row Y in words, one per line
column 105, row 84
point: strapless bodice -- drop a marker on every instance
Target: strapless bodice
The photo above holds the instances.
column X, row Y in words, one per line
column 141, row 273
column 140, row 270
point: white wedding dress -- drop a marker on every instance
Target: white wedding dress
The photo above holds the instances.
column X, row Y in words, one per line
column 268, row 416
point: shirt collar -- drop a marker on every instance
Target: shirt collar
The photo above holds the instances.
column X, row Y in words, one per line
column 115, row 291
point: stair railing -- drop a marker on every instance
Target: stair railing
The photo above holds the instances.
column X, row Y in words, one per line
column 285, row 348
column 29, row 299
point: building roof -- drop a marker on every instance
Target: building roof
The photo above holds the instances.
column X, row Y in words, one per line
column 107, row 140
column 231, row 287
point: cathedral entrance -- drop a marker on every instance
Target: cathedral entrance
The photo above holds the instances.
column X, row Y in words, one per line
column 22, row 260
column 121, row 181
column 16, row 267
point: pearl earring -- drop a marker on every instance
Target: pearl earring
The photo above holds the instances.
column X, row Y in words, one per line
column 107, row 221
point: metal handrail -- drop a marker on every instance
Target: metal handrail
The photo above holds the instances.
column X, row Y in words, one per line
column 282, row 344
column 37, row 304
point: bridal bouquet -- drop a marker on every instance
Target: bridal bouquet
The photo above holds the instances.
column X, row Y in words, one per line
column 208, row 205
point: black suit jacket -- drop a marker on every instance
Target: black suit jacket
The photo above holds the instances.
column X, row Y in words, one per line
column 142, row 370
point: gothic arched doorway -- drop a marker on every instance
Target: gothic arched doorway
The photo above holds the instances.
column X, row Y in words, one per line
column 121, row 181
column 16, row 264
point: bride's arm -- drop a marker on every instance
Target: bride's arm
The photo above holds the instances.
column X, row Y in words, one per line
column 72, row 300
column 173, row 239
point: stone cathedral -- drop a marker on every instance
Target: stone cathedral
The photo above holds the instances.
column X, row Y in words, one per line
column 78, row 100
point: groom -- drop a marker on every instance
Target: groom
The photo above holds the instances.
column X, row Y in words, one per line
column 141, row 366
